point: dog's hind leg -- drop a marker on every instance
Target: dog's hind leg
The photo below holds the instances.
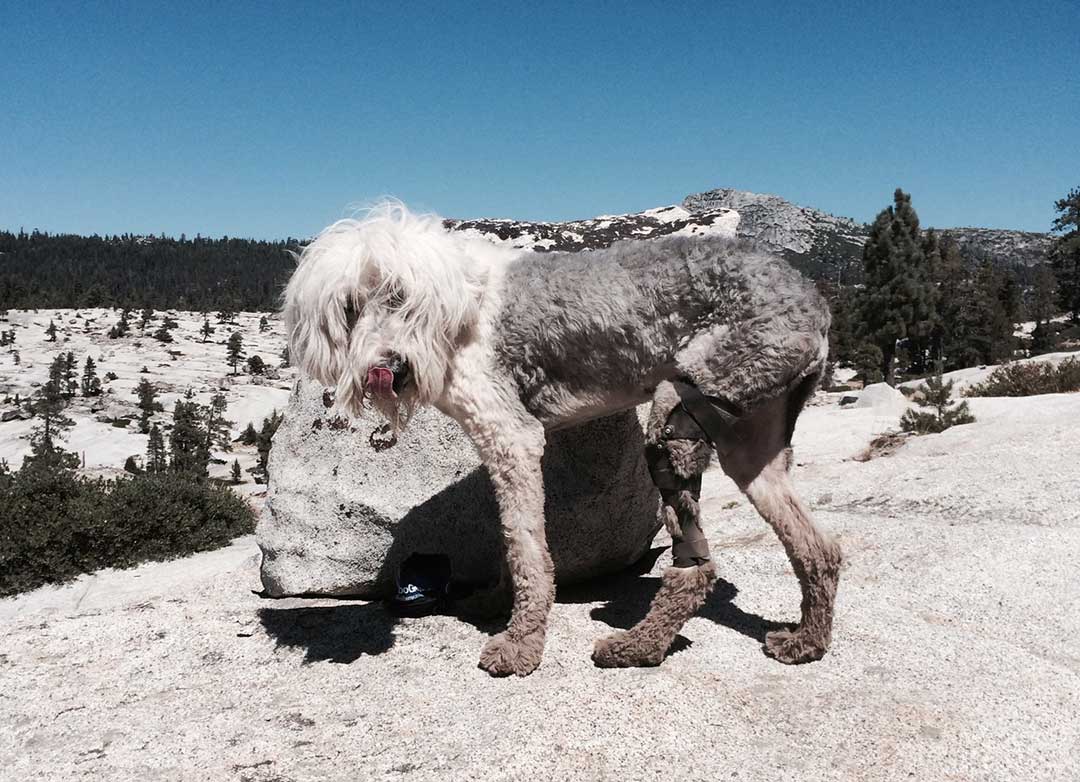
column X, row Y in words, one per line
column 759, row 464
column 678, row 452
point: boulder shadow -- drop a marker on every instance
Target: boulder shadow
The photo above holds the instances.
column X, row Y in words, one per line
column 340, row 633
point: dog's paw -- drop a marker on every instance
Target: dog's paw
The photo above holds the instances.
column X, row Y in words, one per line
column 502, row 656
column 624, row 649
column 794, row 646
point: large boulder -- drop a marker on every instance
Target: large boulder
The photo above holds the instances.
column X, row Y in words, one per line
column 343, row 511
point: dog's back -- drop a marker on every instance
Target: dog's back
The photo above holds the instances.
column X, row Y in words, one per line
column 613, row 321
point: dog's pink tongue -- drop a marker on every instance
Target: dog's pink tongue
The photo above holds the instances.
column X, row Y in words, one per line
column 380, row 381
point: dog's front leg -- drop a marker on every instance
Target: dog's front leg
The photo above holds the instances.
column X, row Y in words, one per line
column 511, row 444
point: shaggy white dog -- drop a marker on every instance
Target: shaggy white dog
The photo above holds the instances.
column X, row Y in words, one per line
column 394, row 311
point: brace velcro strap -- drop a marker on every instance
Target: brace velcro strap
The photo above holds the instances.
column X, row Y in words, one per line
column 690, row 552
column 711, row 414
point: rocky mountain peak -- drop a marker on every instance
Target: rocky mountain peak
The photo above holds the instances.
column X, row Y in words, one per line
column 818, row 243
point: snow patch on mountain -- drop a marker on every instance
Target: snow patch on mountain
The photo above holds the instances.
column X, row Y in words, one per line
column 574, row 235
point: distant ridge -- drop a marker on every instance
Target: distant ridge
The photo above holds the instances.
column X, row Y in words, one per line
column 820, row 244
column 64, row 270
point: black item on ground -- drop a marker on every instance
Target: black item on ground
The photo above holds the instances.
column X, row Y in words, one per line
column 422, row 581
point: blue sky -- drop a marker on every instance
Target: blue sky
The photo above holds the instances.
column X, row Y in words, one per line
column 271, row 119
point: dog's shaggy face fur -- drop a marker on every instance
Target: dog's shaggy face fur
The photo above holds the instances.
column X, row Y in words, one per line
column 383, row 291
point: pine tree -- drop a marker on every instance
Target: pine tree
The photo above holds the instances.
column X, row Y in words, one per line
column 898, row 301
column 266, row 435
column 264, row 325
column 122, row 326
column 843, row 343
column 923, row 346
column 218, row 428
column 249, row 436
column 188, row 449
column 285, row 357
column 91, row 384
column 867, row 363
column 1065, row 255
column 1043, row 296
column 163, row 334
column 936, row 396
column 48, row 405
column 990, row 335
column 1011, row 296
column 255, row 365
column 148, row 403
column 950, row 281
column 235, row 348
column 70, row 376
column 226, row 315
column 147, row 316
column 156, row 460
column 50, row 332
column 236, row 471
column 206, row 329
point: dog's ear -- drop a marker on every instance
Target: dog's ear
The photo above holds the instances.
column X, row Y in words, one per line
column 317, row 302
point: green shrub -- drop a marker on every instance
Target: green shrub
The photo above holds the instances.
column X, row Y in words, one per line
column 1030, row 379
column 55, row 525
column 940, row 414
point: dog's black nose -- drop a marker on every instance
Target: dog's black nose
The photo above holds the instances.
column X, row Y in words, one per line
column 396, row 363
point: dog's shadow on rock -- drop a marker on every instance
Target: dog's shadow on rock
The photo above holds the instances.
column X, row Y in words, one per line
column 628, row 594
column 340, row 633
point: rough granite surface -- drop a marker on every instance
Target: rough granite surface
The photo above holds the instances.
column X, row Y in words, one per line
column 956, row 653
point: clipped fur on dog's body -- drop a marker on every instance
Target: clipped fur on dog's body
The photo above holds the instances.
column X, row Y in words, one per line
column 511, row 344
column 587, row 334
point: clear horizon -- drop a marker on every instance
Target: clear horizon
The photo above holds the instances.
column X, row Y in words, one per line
column 272, row 120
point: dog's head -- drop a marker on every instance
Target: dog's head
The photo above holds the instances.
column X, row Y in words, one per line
column 376, row 307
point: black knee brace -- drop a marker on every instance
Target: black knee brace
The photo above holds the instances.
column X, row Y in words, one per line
column 696, row 423
column 680, row 484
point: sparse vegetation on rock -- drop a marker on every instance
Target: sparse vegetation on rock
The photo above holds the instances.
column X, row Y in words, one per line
column 249, row 436
column 263, row 441
column 1030, row 379
column 148, row 404
column 941, row 412
column 235, row 350
column 91, row 383
column 81, row 525
column 122, row 327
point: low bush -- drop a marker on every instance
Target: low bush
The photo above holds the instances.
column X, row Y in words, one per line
column 1030, row 379
column 940, row 412
column 55, row 525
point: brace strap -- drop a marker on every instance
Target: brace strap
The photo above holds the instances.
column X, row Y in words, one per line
column 691, row 547
column 714, row 416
